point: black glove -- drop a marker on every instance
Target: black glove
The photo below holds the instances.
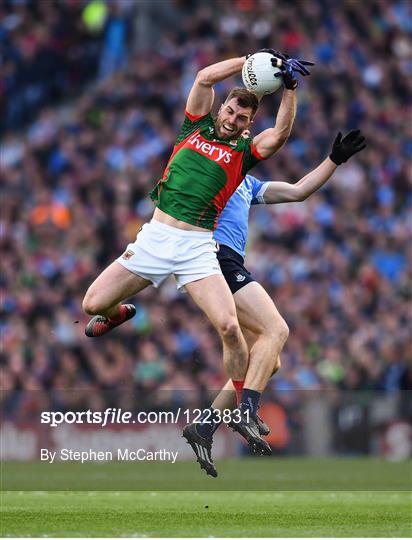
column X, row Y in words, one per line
column 286, row 72
column 345, row 148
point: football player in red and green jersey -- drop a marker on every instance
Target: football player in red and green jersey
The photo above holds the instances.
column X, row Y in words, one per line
column 209, row 161
column 210, row 158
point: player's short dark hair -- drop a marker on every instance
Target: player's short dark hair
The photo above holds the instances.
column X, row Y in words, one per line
column 244, row 98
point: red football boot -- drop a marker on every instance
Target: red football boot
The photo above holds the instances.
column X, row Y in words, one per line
column 99, row 325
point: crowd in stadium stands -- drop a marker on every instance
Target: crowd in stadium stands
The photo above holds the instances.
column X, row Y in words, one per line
column 75, row 185
column 49, row 50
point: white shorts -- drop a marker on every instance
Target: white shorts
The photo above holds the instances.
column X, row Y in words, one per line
column 161, row 250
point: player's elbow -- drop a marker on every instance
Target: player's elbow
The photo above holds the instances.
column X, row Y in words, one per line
column 279, row 138
column 282, row 132
column 300, row 196
column 203, row 77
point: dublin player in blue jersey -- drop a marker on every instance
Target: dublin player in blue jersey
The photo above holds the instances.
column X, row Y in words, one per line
column 264, row 328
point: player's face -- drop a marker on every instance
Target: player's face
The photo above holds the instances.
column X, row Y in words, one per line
column 232, row 120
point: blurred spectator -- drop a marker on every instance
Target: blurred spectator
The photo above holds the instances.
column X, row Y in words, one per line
column 49, row 50
column 150, row 368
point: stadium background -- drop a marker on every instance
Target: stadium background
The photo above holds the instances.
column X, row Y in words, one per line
column 92, row 96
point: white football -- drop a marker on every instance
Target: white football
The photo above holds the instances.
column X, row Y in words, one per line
column 258, row 74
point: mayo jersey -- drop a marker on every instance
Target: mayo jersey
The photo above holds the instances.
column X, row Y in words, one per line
column 202, row 173
column 232, row 227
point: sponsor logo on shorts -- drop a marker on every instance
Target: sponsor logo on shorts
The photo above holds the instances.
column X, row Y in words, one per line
column 127, row 254
column 239, row 277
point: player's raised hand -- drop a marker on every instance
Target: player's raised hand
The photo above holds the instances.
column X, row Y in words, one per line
column 345, row 148
column 289, row 79
column 281, row 59
column 300, row 65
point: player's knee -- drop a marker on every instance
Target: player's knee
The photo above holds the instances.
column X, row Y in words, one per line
column 283, row 332
column 229, row 330
column 277, row 365
column 277, row 332
column 91, row 304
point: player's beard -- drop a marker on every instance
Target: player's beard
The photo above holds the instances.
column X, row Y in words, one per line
column 222, row 134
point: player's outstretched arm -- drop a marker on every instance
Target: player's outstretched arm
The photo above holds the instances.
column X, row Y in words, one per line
column 343, row 149
column 281, row 192
column 201, row 96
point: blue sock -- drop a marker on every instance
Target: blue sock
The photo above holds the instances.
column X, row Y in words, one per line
column 249, row 401
column 209, row 423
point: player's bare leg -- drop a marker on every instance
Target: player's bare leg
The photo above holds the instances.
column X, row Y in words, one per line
column 265, row 332
column 227, row 399
column 214, row 298
column 246, row 423
column 259, row 316
column 104, row 296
